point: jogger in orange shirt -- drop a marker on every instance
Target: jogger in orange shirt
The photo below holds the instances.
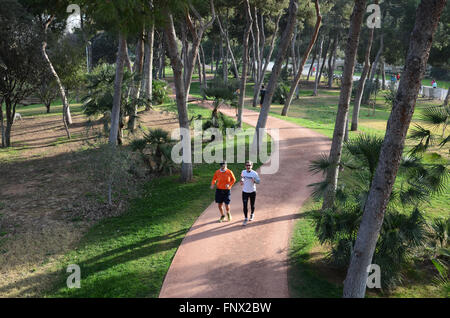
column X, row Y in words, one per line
column 225, row 180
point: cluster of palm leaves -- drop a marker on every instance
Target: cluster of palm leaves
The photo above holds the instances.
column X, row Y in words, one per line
column 155, row 149
column 222, row 93
column 404, row 228
column 99, row 99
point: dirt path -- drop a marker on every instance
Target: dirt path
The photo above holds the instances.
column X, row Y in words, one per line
column 229, row 260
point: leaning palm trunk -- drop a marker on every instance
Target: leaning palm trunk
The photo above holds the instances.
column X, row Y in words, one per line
column 362, row 82
column 344, row 100
column 67, row 118
column 427, row 18
column 244, row 63
column 276, row 70
column 302, row 64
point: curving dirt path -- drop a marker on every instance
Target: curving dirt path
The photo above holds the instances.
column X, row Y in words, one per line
column 229, row 260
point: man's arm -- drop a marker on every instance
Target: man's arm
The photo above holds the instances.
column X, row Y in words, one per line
column 213, row 182
column 233, row 178
column 256, row 177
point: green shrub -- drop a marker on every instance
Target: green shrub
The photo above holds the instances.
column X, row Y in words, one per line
column 160, row 92
column 281, row 93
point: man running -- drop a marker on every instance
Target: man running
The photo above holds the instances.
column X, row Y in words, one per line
column 225, row 180
column 249, row 179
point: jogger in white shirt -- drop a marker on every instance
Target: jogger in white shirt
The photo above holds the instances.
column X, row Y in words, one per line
column 249, row 179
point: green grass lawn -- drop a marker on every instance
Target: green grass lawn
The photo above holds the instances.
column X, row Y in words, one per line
column 129, row 255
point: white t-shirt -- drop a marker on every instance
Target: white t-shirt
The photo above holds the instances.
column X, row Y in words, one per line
column 250, row 180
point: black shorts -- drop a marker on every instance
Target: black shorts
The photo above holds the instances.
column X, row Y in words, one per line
column 223, row 196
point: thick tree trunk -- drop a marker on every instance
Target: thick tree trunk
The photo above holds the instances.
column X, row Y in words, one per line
column 266, row 63
column 67, row 118
column 362, row 81
column 115, row 112
column 427, row 18
column 177, row 67
column 282, row 50
column 244, row 62
column 344, row 100
column 297, row 78
column 316, row 82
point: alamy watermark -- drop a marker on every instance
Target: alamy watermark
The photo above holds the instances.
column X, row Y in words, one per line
column 374, row 20
column 74, row 279
column 374, row 278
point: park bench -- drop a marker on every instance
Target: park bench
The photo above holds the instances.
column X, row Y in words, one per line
column 30, row 101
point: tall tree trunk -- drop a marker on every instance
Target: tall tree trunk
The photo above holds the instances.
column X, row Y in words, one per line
column 362, row 81
column 2, row 127
column 148, row 65
column 327, row 47
column 127, row 59
column 344, row 100
column 312, row 61
column 374, row 68
column 230, row 51
column 115, row 112
column 257, row 48
column 67, row 118
column 305, row 57
column 316, row 83
column 204, row 83
column 331, row 59
column 282, row 50
column 427, row 18
column 266, row 62
column 135, row 88
column 383, row 75
column 177, row 67
column 245, row 59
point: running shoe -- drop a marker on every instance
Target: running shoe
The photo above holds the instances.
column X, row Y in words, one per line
column 252, row 216
column 222, row 218
column 245, row 222
column 229, row 216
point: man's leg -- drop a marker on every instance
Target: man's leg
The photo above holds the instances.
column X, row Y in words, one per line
column 245, row 203
column 252, row 204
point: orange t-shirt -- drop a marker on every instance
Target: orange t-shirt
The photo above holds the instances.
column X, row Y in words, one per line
column 223, row 178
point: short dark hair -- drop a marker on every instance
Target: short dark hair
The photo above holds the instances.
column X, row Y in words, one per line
column 223, row 163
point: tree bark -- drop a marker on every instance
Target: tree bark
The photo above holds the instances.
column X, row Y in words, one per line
column 282, row 49
column 331, row 61
column 312, row 61
column 302, row 64
column 327, row 48
column 2, row 127
column 362, row 81
column 374, row 67
column 67, row 118
column 344, row 100
column 136, row 87
column 115, row 112
column 316, row 82
column 148, row 65
column 244, row 62
column 427, row 18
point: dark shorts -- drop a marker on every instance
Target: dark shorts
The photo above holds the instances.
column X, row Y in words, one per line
column 223, row 196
